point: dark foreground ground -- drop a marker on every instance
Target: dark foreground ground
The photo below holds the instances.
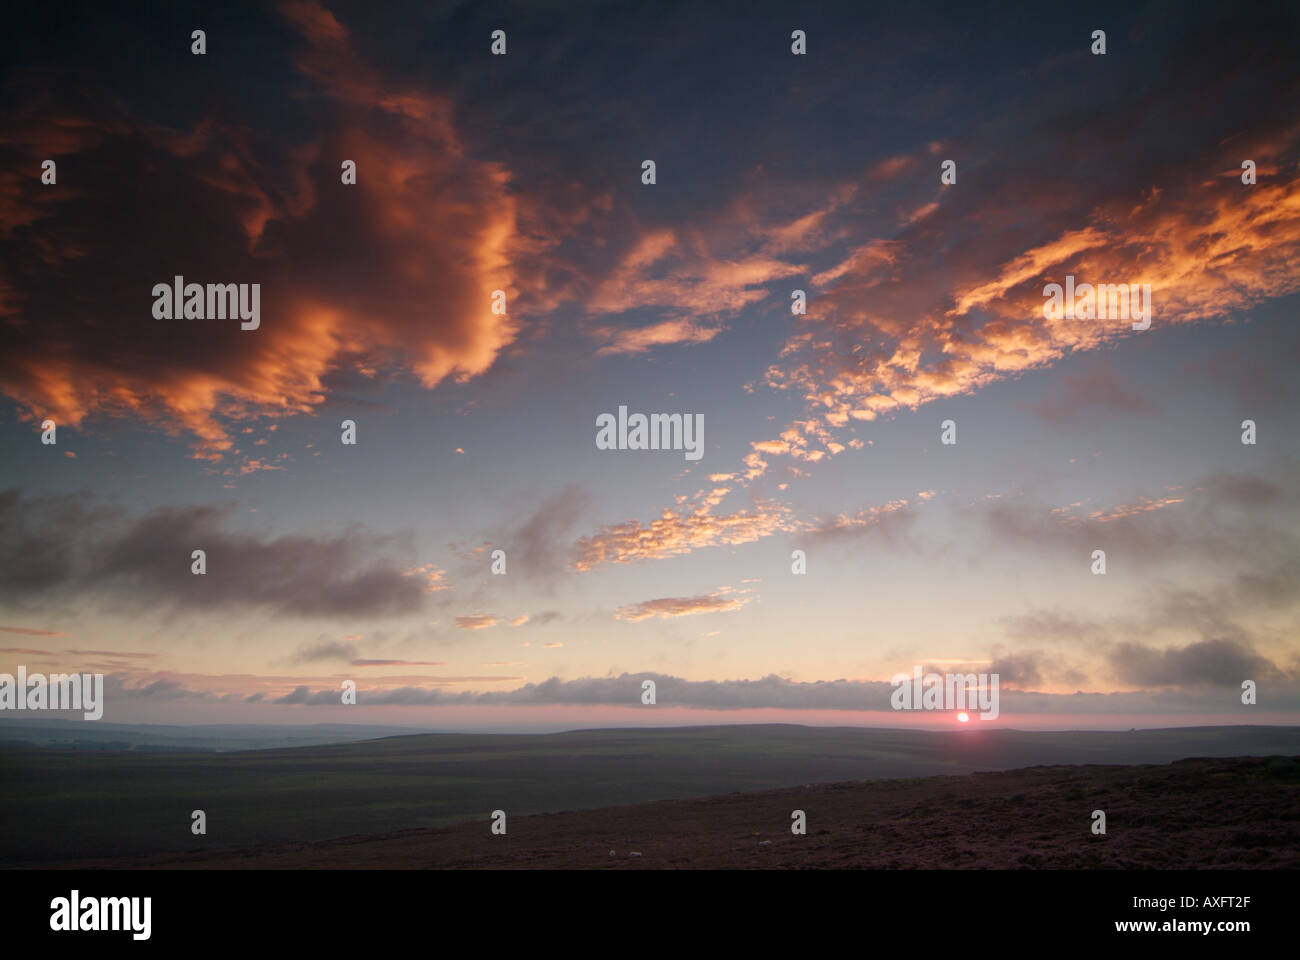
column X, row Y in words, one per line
column 1220, row 813
column 61, row 804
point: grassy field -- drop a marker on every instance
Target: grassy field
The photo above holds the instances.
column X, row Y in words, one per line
column 61, row 804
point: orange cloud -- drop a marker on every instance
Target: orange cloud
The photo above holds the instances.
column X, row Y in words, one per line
column 431, row 233
column 1208, row 250
column 675, row 533
column 641, row 339
column 435, row 579
column 716, row 602
column 680, row 271
column 1119, row 512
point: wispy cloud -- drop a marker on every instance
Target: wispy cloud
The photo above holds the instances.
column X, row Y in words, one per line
column 676, row 532
column 720, row 601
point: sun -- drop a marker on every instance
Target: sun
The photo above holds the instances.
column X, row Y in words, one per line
column 963, row 718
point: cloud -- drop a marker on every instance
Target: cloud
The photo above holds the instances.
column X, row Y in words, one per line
column 1069, row 514
column 300, row 694
column 890, row 520
column 155, row 687
column 1226, row 620
column 717, row 602
column 777, row 692
column 537, row 544
column 678, row 532
column 434, row 578
column 953, row 301
column 122, row 654
column 76, row 547
column 1176, row 681
column 1020, row 669
column 325, row 651
column 679, row 270
column 900, row 316
column 477, row 621
column 1227, row 516
column 1229, row 611
column 1098, row 388
column 32, row 632
column 1219, row 662
column 640, row 339
column 432, row 232
column 1055, row 626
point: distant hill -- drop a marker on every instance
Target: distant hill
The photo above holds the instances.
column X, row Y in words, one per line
column 63, row 804
column 80, row 735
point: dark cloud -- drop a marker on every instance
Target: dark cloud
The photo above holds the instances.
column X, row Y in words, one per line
column 1227, row 518
column 1223, row 621
column 1219, row 662
column 1202, row 676
column 120, row 686
column 217, row 201
column 773, row 692
column 1019, row 669
column 301, row 694
column 1242, row 489
column 1098, row 388
column 324, row 649
column 75, row 547
column 538, row 544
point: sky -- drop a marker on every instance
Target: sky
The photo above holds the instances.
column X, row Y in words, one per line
column 476, row 428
